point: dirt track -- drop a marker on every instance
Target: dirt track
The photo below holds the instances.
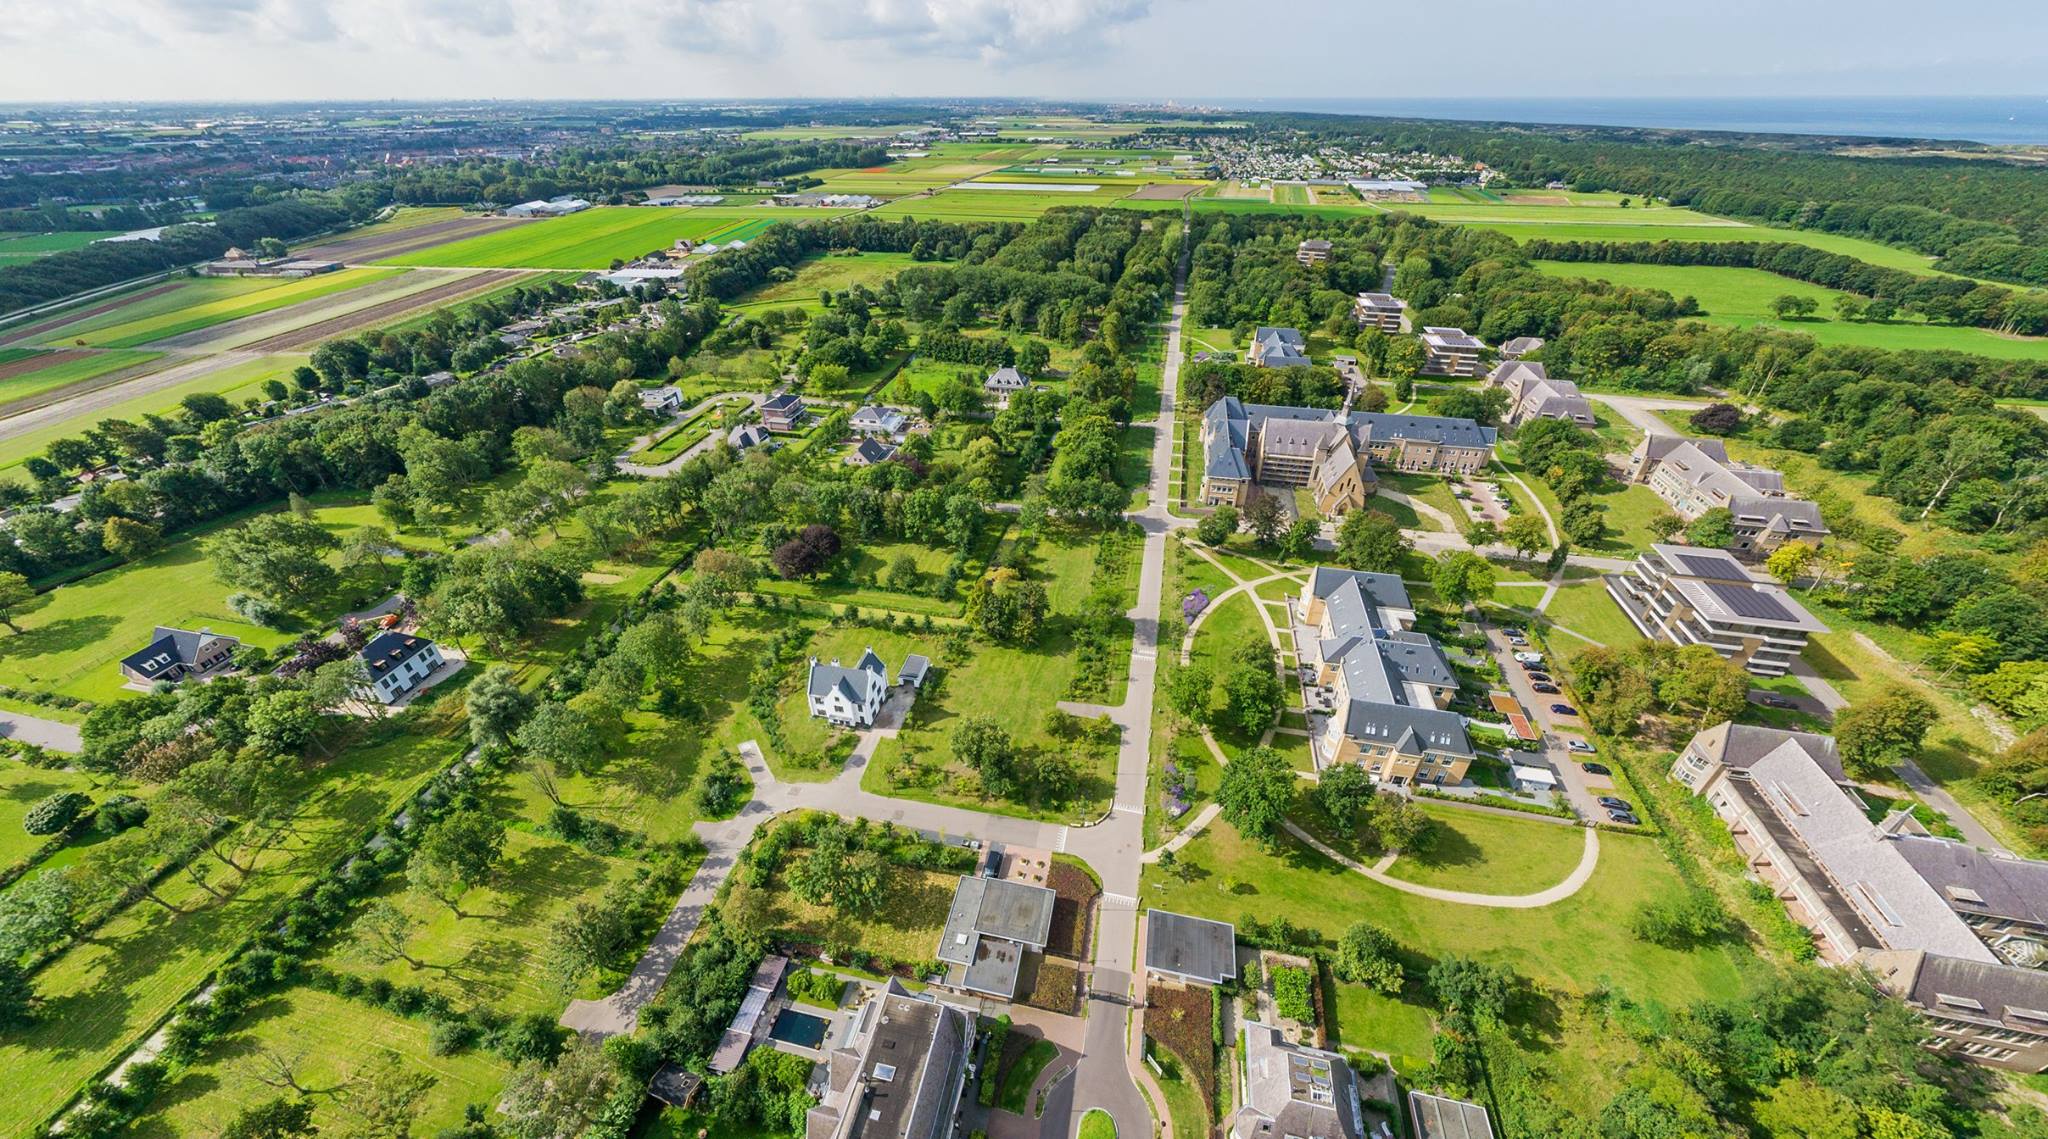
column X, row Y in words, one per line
column 381, row 313
column 14, row 335
column 405, row 241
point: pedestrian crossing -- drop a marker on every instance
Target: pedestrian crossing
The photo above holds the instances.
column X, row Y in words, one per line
column 1060, row 845
column 1118, row 901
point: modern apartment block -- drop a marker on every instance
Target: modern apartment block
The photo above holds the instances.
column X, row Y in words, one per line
column 1329, row 452
column 1696, row 475
column 1955, row 932
column 1383, row 311
column 1533, row 394
column 1450, row 352
column 1387, row 685
column 1692, row 596
column 1314, row 251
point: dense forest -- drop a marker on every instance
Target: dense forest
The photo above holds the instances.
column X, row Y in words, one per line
column 609, row 172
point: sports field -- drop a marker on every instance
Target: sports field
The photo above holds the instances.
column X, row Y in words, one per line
column 1743, row 297
column 596, row 237
column 19, row 247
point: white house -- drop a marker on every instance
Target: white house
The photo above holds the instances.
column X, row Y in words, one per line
column 1005, row 380
column 848, row 697
column 876, row 419
column 397, row 663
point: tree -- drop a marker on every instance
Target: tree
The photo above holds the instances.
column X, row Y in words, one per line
column 1525, row 534
column 1482, row 532
column 1188, row 689
column 38, row 913
column 1678, row 921
column 53, row 813
column 1365, row 956
column 1004, row 608
column 383, row 934
column 17, row 994
column 496, row 706
column 1217, row 527
column 1371, row 540
column 1346, row 793
column 1264, row 517
column 128, row 539
column 1584, row 521
column 554, row 1101
column 1791, row 306
column 589, row 937
column 1789, row 561
column 1461, row 577
column 1802, row 1109
column 1475, row 989
column 1717, row 419
column 984, row 746
column 456, row 855
column 1971, row 450
column 15, row 594
column 1256, row 792
column 278, row 1118
column 1398, row 823
column 1712, row 530
column 1299, row 539
column 807, row 553
column 1252, row 697
column 276, row 555
column 562, row 735
column 1878, row 734
column 1663, row 524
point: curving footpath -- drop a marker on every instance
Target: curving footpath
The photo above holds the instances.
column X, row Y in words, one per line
column 1589, row 860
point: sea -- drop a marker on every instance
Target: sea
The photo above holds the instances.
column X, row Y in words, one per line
column 1997, row 120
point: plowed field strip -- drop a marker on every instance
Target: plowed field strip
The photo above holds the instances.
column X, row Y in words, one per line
column 409, row 240
column 381, row 313
column 23, row 332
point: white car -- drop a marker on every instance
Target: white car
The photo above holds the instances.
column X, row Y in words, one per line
column 1529, row 658
column 1580, row 746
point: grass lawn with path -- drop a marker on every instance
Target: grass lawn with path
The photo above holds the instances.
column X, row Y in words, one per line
column 1015, row 1095
column 1490, row 854
column 1585, row 607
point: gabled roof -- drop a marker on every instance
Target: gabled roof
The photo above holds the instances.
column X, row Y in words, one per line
column 1737, row 746
column 1984, row 992
column 1787, row 516
column 1977, row 882
column 1005, row 379
column 1302, row 1092
column 1438, row 429
column 857, row 684
column 387, row 651
column 871, row 451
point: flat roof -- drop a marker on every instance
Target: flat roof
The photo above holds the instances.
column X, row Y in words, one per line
column 1199, row 949
column 1440, row 1117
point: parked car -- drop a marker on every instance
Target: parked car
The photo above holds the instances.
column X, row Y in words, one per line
column 1773, row 700
column 1624, row 818
column 1580, row 746
column 1564, row 709
column 1614, row 804
column 1517, row 639
column 1511, row 630
column 1546, row 689
column 1529, row 658
column 1538, row 678
column 1594, row 768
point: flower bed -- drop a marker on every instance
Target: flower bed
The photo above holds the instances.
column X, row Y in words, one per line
column 1058, row 988
column 1073, row 906
column 1178, row 1020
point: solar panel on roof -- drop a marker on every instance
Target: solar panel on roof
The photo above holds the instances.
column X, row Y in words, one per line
column 1706, row 565
column 1750, row 602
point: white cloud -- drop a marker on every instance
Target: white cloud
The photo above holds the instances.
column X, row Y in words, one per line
column 991, row 30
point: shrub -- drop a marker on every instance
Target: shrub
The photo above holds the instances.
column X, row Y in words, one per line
column 54, row 813
column 451, row 1036
column 1691, row 918
column 1291, row 994
column 257, row 610
column 120, row 813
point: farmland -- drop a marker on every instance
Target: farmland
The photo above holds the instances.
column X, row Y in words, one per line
column 234, row 377
column 1743, row 297
column 595, row 238
column 176, row 313
column 43, row 372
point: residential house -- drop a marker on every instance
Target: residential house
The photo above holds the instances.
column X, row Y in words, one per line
column 901, row 1074
column 174, row 654
column 397, row 663
column 1191, row 949
column 1314, row 251
column 1692, row 596
column 1532, row 394
column 664, row 400
column 1383, row 311
column 1005, row 381
column 783, row 411
column 751, row 1023
column 877, row 419
column 848, row 697
column 992, row 924
column 1292, row 1091
column 1331, row 453
column 1520, row 346
column 1696, row 475
column 1995, row 1015
column 747, row 436
column 1389, row 685
column 868, row 452
column 1450, row 352
column 1277, row 348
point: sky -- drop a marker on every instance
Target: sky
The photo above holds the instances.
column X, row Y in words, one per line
column 120, row 50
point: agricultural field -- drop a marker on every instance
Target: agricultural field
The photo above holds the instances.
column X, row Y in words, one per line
column 238, row 378
column 594, row 238
column 200, row 309
column 836, row 271
column 1000, row 205
column 1743, row 297
column 37, row 373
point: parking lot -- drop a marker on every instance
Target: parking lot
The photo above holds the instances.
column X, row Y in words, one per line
column 1581, row 790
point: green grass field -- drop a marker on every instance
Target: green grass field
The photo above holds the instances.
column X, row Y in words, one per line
column 237, row 381
column 64, row 371
column 1743, row 297
column 1001, row 205
column 16, row 248
column 1585, row 607
column 21, row 787
column 838, row 272
column 1491, row 854
column 594, row 238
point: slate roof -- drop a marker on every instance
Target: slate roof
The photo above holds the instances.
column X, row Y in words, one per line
column 2007, row 995
column 1198, row 949
column 783, row 402
column 168, row 647
column 1737, row 746
column 747, row 435
column 1521, row 345
column 1977, row 882
column 1302, row 1092
column 1005, row 380
column 1440, row 1117
column 1438, row 429
column 1793, row 517
column 871, row 451
column 854, row 683
column 1381, row 590
column 1229, row 423
column 913, row 670
column 388, row 651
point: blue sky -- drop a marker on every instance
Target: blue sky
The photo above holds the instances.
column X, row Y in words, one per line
column 1113, row 49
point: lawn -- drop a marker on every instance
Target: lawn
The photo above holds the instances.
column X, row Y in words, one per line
column 64, row 370
column 1226, row 627
column 236, row 377
column 1743, row 297
column 1430, row 490
column 1015, row 1095
column 837, row 272
column 205, row 314
column 1492, row 854
column 906, row 929
column 21, row 787
column 1634, row 226
column 592, row 239
column 1098, row 1124
column 1585, row 607
column 18, row 247
column 1579, row 943
column 337, row 1038
column 1375, row 1022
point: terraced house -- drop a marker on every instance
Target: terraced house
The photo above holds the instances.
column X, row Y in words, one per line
column 1330, row 453
column 1955, row 932
column 1696, row 475
column 1377, row 689
column 1533, row 394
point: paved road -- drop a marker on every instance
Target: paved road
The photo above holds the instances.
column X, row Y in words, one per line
column 1641, row 411
column 1915, row 779
column 53, row 734
column 1580, row 788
